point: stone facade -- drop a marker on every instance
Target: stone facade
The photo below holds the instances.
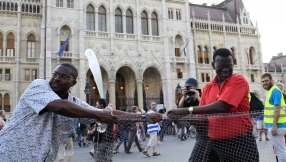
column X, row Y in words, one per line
column 139, row 45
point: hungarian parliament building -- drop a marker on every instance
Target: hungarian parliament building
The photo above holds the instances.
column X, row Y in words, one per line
column 146, row 49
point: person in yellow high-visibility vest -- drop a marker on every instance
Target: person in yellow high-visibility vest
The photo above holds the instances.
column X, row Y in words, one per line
column 274, row 116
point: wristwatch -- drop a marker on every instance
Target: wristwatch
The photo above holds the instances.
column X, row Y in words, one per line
column 191, row 110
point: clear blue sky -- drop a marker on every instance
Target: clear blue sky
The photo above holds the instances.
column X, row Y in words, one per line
column 270, row 16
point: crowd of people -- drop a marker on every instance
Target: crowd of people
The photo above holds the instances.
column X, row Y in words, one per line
column 48, row 107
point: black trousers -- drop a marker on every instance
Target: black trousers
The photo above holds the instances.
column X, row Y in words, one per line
column 240, row 149
column 133, row 136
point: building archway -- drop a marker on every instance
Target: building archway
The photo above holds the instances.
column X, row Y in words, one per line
column 125, row 89
column 94, row 95
column 152, row 87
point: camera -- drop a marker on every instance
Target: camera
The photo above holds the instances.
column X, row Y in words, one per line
column 190, row 93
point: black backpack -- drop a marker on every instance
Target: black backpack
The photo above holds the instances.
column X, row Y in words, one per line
column 255, row 104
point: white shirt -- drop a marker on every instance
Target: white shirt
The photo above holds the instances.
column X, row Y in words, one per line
column 31, row 137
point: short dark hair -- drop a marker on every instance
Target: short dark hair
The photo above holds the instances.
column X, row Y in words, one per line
column 134, row 108
column 223, row 52
column 161, row 111
column 73, row 69
column 102, row 101
column 266, row 75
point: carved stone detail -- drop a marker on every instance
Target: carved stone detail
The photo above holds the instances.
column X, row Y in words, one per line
column 90, row 44
column 157, row 48
column 139, row 63
column 119, row 46
column 103, row 45
column 131, row 47
column 112, row 62
column 145, row 47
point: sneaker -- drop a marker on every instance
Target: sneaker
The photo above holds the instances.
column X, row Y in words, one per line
column 115, row 151
column 91, row 154
column 80, row 144
column 159, row 143
column 260, row 139
column 267, row 139
column 128, row 152
column 85, row 145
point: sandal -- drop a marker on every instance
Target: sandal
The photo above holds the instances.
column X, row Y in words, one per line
column 146, row 153
column 115, row 151
column 156, row 154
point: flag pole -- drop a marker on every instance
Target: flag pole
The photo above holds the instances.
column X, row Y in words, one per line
column 185, row 47
column 63, row 46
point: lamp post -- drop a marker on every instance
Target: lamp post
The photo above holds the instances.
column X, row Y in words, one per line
column 87, row 91
column 179, row 91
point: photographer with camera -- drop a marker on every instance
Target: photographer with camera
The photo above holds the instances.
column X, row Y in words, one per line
column 191, row 97
column 191, row 94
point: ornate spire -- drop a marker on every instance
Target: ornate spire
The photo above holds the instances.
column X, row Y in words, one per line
column 223, row 17
column 193, row 13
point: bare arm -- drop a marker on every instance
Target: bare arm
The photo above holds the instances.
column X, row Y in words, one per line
column 184, row 96
column 276, row 114
column 216, row 107
column 275, row 120
column 133, row 117
column 70, row 109
column 137, row 126
column 181, row 103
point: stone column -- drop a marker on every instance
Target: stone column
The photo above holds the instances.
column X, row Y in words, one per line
column 112, row 96
column 203, row 55
column 150, row 24
column 49, row 41
column 18, row 58
column 166, row 78
column 82, row 60
column 124, row 23
column 111, row 26
column 192, row 60
column 137, row 30
column 4, row 44
column 42, row 53
column 65, row 4
column 139, row 83
column 240, row 51
column 96, row 20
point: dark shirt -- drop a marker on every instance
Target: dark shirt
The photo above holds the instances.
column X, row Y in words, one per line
column 106, row 136
column 190, row 101
column 82, row 126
